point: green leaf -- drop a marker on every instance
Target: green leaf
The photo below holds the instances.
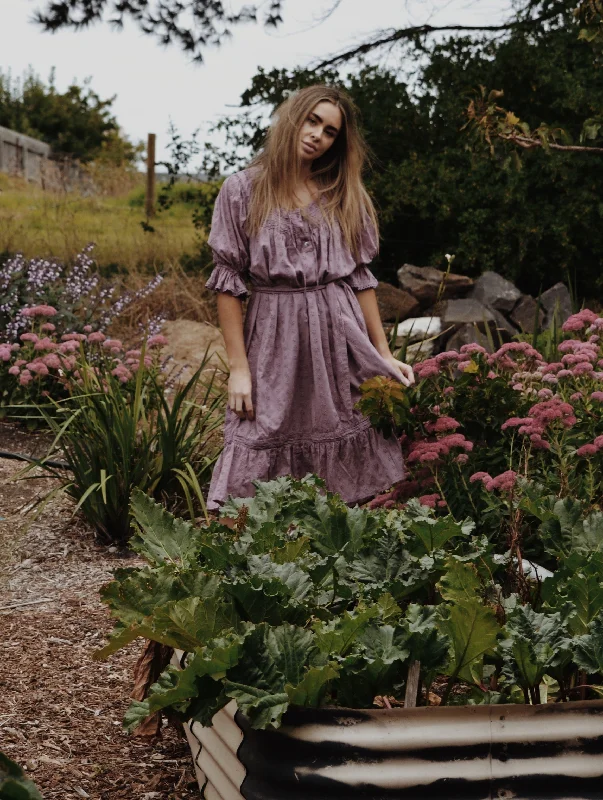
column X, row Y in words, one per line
column 460, row 583
column 580, row 582
column 177, row 687
column 161, row 537
column 388, row 608
column 310, row 691
column 256, row 682
column 424, row 640
column 537, row 644
column 190, row 623
column 433, row 533
column 588, row 649
column 336, row 637
column 472, row 630
column 14, row 785
column 290, row 648
column 263, row 708
column 376, row 665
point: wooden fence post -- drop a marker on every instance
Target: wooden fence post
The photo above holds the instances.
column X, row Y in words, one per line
column 150, row 198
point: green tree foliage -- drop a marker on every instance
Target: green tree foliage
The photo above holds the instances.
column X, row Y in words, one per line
column 75, row 123
column 535, row 218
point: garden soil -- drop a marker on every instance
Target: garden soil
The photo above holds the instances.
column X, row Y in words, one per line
column 60, row 711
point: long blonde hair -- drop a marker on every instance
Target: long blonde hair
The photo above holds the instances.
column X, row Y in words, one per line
column 337, row 173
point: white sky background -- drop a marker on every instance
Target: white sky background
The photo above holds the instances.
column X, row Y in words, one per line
column 154, row 84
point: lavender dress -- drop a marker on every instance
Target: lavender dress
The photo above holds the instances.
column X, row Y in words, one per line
column 308, row 351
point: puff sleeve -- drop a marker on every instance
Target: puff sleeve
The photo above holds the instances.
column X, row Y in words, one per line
column 362, row 277
column 228, row 240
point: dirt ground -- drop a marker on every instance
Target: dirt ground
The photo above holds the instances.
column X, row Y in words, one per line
column 60, row 711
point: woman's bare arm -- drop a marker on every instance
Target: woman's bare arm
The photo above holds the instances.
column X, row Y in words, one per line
column 368, row 303
column 230, row 315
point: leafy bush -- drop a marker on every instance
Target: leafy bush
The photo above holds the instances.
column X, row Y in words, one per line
column 309, row 602
column 44, row 369
column 118, row 431
column 475, row 422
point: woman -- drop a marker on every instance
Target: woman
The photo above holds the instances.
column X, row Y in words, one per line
column 299, row 226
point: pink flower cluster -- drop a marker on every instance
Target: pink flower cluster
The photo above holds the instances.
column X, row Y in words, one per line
column 590, row 449
column 424, row 452
column 58, row 357
column 579, row 321
column 505, row 482
column 540, row 417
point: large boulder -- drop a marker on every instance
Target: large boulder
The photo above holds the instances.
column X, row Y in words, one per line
column 524, row 314
column 395, row 304
column 556, row 301
column 187, row 342
column 418, row 328
column 424, row 283
column 455, row 313
column 468, row 334
column 494, row 291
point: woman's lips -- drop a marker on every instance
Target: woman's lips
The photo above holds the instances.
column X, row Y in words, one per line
column 309, row 147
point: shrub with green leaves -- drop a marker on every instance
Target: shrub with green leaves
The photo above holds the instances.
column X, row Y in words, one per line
column 114, row 438
column 309, row 602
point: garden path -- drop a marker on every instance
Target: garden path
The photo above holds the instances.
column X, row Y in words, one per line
column 60, row 711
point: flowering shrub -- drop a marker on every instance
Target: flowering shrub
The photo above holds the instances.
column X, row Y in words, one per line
column 77, row 294
column 44, row 366
column 478, row 428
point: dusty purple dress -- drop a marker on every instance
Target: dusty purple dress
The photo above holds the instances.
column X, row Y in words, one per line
column 308, row 351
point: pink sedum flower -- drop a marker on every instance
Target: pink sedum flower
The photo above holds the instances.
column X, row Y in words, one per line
column 39, row 311
column 96, row 337
column 157, row 341
column 587, row 450
column 598, row 396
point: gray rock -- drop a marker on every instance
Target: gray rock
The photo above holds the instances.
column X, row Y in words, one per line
column 419, row 351
column 424, row 283
column 556, row 300
column 395, row 303
column 468, row 334
column 417, row 328
column 503, row 331
column 524, row 313
column 496, row 292
column 465, row 311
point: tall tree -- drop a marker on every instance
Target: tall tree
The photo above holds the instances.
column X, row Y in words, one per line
column 535, row 221
column 75, row 123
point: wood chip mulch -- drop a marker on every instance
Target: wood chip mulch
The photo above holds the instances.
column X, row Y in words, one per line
column 60, row 711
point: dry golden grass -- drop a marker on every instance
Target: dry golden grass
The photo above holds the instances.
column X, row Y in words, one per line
column 181, row 295
column 59, row 223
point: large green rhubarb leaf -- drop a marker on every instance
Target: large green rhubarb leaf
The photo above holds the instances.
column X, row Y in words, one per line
column 162, row 538
column 470, row 626
column 335, row 638
column 580, row 582
column 537, row 644
column 177, row 687
column 311, row 690
column 433, row 533
column 588, row 649
column 377, row 665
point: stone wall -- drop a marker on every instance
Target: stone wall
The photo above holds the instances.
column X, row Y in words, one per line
column 437, row 312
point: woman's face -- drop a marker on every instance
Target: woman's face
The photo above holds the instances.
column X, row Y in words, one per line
column 319, row 131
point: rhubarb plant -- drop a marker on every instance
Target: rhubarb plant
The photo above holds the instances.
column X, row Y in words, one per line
column 309, row 602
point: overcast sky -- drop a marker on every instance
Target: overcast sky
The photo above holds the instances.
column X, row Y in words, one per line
column 154, row 84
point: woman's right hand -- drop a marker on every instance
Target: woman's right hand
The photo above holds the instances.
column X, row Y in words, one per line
column 239, row 393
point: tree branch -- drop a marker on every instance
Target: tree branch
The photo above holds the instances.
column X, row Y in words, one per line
column 391, row 37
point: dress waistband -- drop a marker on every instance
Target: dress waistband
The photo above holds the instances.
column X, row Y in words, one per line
column 317, row 287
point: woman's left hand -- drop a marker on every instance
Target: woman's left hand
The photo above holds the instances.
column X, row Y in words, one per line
column 407, row 377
